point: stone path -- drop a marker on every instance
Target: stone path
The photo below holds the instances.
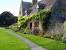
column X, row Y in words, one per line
column 32, row 45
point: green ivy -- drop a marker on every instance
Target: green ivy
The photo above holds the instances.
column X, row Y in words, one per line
column 41, row 16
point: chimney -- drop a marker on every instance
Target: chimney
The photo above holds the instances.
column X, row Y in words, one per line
column 34, row 2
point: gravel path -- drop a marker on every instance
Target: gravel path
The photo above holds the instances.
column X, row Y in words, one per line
column 32, row 45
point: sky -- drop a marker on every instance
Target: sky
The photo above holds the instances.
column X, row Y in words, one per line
column 11, row 6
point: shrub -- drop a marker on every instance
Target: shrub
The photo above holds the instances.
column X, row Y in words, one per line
column 64, row 40
column 27, row 30
column 13, row 27
column 64, row 35
column 23, row 21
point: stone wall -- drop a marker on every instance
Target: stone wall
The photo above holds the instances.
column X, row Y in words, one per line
column 36, row 27
column 58, row 16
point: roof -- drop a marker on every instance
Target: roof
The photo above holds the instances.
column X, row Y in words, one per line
column 26, row 5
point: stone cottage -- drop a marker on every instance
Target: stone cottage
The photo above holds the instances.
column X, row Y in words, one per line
column 58, row 14
column 27, row 9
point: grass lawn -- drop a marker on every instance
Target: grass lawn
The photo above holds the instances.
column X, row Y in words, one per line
column 9, row 42
column 46, row 43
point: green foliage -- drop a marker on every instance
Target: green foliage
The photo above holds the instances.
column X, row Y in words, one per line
column 58, row 36
column 7, row 19
column 45, row 42
column 23, row 21
column 64, row 35
column 27, row 30
column 41, row 16
column 13, row 27
column 65, row 28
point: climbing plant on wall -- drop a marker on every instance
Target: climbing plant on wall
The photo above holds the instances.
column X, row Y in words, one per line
column 41, row 16
column 23, row 21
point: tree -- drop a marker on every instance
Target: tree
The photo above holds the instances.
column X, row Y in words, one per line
column 6, row 19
